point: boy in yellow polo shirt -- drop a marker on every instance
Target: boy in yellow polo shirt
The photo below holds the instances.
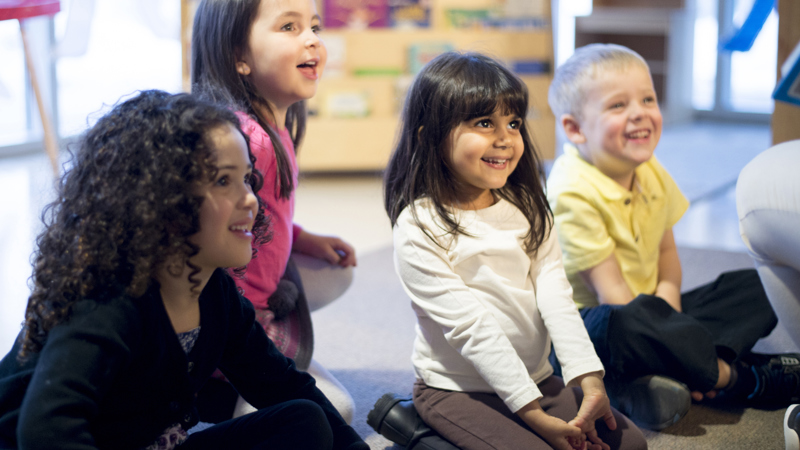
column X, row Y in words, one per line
column 614, row 207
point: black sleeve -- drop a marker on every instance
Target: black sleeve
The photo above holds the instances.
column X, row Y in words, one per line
column 263, row 376
column 75, row 369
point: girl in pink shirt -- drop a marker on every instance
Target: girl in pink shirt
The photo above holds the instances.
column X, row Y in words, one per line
column 265, row 59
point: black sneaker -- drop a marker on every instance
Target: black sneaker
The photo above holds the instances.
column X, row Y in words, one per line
column 395, row 418
column 653, row 402
column 777, row 379
column 791, row 427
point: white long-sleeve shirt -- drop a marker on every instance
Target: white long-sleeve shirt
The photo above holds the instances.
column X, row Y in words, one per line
column 486, row 310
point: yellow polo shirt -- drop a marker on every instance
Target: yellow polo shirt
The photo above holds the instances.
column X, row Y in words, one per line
column 596, row 217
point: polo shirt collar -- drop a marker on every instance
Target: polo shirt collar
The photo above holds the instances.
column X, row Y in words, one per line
column 606, row 187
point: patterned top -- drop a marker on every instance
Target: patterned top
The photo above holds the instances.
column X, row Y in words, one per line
column 175, row 435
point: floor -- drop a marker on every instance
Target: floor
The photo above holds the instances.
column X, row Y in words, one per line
column 705, row 157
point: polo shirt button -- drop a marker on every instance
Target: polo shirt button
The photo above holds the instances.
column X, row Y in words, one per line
column 190, row 366
column 187, row 418
column 627, row 201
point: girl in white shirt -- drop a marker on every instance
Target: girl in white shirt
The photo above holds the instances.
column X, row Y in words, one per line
column 476, row 252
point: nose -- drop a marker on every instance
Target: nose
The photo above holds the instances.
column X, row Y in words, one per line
column 312, row 39
column 636, row 111
column 249, row 200
column 502, row 137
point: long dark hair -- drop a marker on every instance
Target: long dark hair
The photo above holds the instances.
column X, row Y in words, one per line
column 126, row 206
column 450, row 89
column 220, row 32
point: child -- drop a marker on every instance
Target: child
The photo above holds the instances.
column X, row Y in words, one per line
column 614, row 207
column 131, row 309
column 475, row 252
column 265, row 58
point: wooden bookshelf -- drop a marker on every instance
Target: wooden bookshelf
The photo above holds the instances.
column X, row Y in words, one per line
column 352, row 144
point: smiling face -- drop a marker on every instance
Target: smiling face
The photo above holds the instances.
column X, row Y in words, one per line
column 229, row 206
column 482, row 153
column 620, row 122
column 285, row 57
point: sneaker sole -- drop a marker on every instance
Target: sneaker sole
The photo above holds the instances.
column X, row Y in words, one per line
column 655, row 402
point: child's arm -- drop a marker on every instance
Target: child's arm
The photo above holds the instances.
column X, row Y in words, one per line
column 669, row 272
column 559, row 434
column 595, row 405
column 75, row 369
column 263, row 376
column 329, row 248
column 607, row 282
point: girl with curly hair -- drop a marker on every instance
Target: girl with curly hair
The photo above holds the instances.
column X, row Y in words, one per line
column 132, row 308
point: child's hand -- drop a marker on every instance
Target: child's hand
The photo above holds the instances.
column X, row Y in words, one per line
column 594, row 406
column 329, row 248
column 559, row 434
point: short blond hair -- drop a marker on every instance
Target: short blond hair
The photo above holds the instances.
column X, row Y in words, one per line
column 568, row 90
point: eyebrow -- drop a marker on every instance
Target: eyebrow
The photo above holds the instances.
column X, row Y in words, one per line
column 234, row 167
column 295, row 14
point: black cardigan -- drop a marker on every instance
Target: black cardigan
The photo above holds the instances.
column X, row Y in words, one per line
column 115, row 376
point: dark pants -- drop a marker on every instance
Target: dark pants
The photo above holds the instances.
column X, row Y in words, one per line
column 722, row 319
column 481, row 421
column 296, row 424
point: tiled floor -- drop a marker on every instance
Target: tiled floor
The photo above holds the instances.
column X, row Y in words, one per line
column 705, row 156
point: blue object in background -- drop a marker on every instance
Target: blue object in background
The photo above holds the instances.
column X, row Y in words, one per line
column 742, row 40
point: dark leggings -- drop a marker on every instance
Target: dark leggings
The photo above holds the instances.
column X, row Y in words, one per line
column 295, row 424
column 481, row 421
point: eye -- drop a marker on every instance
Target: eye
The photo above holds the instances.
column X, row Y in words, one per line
column 223, row 181
column 248, row 178
column 483, row 123
column 617, row 105
column 649, row 100
column 515, row 124
column 316, row 28
column 288, row 27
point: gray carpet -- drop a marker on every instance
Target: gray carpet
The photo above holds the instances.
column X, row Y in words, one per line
column 365, row 340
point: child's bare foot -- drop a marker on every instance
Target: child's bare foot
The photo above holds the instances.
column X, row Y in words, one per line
column 699, row 396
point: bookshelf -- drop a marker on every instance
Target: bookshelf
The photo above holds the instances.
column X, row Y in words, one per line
column 354, row 114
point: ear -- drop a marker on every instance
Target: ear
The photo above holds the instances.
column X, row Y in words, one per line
column 242, row 68
column 572, row 129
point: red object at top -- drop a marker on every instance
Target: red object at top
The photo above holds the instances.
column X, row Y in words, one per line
column 22, row 9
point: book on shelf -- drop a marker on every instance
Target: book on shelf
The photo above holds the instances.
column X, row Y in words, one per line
column 493, row 18
column 356, row 14
column 421, row 53
column 409, row 13
column 350, row 103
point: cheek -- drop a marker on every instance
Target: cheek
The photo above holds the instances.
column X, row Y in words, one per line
column 323, row 54
column 613, row 127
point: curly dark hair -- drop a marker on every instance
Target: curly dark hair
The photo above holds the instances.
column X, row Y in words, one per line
column 126, row 206
column 452, row 88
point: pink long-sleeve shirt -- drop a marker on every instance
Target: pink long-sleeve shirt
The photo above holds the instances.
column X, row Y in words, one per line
column 266, row 269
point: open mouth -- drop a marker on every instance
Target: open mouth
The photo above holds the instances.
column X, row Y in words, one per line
column 309, row 69
column 638, row 134
column 243, row 230
column 495, row 162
